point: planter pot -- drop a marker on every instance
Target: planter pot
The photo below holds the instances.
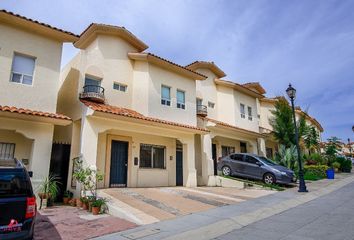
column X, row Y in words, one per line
column 66, row 200
column 84, row 206
column 78, row 203
column 44, row 195
column 73, row 202
column 95, row 210
column 330, row 173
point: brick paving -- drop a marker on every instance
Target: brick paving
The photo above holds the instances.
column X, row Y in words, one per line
column 65, row 222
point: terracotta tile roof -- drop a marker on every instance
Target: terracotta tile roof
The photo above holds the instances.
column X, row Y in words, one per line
column 204, row 64
column 37, row 22
column 255, row 85
column 33, row 112
column 239, row 87
column 163, row 61
column 101, row 107
column 229, row 125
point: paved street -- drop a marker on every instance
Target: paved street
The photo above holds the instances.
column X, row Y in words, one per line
column 329, row 217
column 326, row 212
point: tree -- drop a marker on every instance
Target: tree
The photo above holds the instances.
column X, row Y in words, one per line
column 333, row 146
column 283, row 124
column 311, row 139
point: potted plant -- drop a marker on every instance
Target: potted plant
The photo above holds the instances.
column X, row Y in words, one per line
column 78, row 202
column 67, row 197
column 97, row 205
column 48, row 190
column 72, row 202
column 90, row 200
column 84, row 201
column 336, row 166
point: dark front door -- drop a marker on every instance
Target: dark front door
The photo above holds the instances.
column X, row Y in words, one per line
column 179, row 166
column 59, row 166
column 213, row 148
column 119, row 164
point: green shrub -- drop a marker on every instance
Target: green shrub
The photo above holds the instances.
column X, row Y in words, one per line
column 318, row 171
column 345, row 164
column 336, row 165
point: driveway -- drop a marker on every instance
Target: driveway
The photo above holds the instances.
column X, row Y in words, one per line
column 65, row 222
column 149, row 205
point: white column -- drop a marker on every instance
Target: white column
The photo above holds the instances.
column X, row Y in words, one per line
column 207, row 160
column 261, row 147
column 88, row 148
column 189, row 171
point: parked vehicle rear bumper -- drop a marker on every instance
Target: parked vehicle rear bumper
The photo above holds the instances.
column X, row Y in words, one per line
column 26, row 233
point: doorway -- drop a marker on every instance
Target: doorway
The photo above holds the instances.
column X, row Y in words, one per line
column 119, row 164
column 214, row 156
column 179, row 164
column 59, row 166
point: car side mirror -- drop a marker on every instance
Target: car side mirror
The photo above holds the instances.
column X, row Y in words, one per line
column 259, row 164
column 30, row 173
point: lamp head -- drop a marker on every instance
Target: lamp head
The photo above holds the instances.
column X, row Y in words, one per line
column 292, row 93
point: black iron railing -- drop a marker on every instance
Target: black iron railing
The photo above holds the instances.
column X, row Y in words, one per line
column 202, row 110
column 93, row 93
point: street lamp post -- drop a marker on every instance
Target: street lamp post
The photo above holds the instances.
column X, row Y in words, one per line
column 350, row 147
column 292, row 94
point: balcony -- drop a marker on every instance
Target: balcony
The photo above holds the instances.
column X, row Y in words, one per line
column 93, row 93
column 202, row 110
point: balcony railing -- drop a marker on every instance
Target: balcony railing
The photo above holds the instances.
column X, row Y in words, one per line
column 202, row 110
column 93, row 93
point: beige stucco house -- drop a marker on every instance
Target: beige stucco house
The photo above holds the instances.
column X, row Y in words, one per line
column 134, row 113
column 30, row 55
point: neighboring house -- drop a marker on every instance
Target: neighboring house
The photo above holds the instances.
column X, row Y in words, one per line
column 134, row 113
column 230, row 112
column 267, row 106
column 30, row 56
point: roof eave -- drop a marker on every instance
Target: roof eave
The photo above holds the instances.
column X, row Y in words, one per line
column 238, row 87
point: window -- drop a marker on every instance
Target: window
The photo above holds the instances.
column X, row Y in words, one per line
column 226, row 150
column 211, row 104
column 165, row 96
column 242, row 110
column 237, row 157
column 120, row 87
column 269, row 152
column 243, row 147
column 92, row 85
column 181, row 99
column 251, row 160
column 7, row 151
column 199, row 102
column 249, row 113
column 152, row 156
column 22, row 69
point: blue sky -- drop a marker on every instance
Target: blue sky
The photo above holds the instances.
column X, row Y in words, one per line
column 274, row 42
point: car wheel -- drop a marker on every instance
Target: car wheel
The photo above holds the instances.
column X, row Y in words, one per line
column 269, row 178
column 226, row 170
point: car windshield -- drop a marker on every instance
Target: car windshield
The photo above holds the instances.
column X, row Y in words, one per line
column 267, row 161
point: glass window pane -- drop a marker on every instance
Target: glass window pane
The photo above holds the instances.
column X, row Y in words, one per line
column 116, row 86
column 242, row 108
column 180, row 97
column 159, row 157
column 145, row 156
column 249, row 111
column 123, row 88
column 16, row 77
column 165, row 92
column 27, row 80
column 94, row 82
column 23, row 64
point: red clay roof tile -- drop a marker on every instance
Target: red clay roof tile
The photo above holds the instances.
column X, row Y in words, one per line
column 101, row 107
column 33, row 112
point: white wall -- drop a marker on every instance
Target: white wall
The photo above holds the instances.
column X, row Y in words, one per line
column 206, row 90
column 42, row 94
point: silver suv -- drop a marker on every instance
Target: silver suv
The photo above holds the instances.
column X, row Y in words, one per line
column 255, row 167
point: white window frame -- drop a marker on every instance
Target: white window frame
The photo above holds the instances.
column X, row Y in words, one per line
column 249, row 110
column 152, row 155
column 22, row 74
column 7, row 148
column 242, row 107
column 166, row 101
column 181, row 105
column 120, row 87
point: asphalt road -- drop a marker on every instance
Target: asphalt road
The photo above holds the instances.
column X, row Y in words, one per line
column 328, row 217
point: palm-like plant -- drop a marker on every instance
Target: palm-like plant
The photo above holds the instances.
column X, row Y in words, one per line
column 287, row 157
column 311, row 139
column 49, row 188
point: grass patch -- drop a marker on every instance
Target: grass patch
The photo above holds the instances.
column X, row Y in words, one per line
column 312, row 177
column 251, row 183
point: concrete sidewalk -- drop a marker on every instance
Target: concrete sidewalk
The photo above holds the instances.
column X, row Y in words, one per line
column 219, row 221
